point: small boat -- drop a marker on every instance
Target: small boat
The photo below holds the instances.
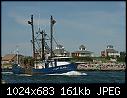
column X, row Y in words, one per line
column 51, row 65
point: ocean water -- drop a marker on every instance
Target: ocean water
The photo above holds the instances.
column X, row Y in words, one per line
column 70, row 77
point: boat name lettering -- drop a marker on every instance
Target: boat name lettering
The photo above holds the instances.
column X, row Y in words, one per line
column 62, row 67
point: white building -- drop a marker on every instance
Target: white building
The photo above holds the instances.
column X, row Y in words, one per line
column 110, row 51
column 82, row 52
column 60, row 51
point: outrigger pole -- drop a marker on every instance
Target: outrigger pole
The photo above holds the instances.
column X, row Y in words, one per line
column 52, row 21
column 31, row 22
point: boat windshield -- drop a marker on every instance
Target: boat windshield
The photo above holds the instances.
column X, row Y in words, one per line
column 64, row 59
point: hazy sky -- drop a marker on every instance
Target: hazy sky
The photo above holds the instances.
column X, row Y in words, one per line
column 93, row 24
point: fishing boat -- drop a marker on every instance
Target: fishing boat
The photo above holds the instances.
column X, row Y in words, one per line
column 46, row 64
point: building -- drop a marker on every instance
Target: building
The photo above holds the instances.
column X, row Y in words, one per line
column 82, row 52
column 9, row 58
column 110, row 52
column 60, row 51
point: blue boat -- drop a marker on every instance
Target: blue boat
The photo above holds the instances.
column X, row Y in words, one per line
column 45, row 68
column 45, row 65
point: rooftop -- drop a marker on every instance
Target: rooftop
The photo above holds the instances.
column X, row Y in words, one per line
column 111, row 51
column 8, row 57
column 86, row 52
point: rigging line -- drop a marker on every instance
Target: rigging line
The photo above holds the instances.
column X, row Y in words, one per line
column 37, row 35
column 38, row 45
column 38, row 19
column 54, row 40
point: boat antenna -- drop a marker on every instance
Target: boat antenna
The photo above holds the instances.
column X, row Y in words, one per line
column 17, row 53
column 52, row 22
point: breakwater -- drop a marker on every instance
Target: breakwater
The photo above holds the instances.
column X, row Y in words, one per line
column 101, row 66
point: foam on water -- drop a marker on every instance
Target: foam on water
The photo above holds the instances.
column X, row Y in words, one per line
column 24, row 75
column 67, row 73
column 70, row 73
column 7, row 72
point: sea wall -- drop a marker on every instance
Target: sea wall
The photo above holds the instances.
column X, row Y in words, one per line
column 102, row 66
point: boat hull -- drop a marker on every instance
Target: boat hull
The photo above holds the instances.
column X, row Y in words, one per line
column 16, row 69
column 51, row 70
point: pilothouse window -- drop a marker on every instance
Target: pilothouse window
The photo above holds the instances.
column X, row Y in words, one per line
column 64, row 59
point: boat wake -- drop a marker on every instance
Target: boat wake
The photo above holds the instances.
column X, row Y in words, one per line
column 70, row 73
column 24, row 75
column 7, row 72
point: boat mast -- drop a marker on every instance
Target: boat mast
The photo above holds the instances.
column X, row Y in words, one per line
column 17, row 53
column 31, row 22
column 43, row 45
column 51, row 29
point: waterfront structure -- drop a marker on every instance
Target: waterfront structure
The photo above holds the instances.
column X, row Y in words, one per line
column 9, row 58
column 110, row 52
column 60, row 51
column 82, row 52
column 101, row 66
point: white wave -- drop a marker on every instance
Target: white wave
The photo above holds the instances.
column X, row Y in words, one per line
column 7, row 72
column 70, row 73
column 24, row 75
column 74, row 73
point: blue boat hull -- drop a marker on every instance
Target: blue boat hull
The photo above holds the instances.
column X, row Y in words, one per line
column 17, row 69
column 51, row 70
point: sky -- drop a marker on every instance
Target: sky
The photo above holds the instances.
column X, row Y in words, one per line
column 93, row 24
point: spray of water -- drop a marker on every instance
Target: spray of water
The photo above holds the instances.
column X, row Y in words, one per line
column 73, row 73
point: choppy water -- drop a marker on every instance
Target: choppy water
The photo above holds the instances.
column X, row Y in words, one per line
column 70, row 77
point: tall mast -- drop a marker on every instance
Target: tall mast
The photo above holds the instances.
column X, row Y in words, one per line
column 31, row 22
column 51, row 41
column 43, row 45
column 17, row 53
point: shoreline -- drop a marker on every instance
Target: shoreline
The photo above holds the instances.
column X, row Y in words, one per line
column 101, row 70
column 102, row 67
